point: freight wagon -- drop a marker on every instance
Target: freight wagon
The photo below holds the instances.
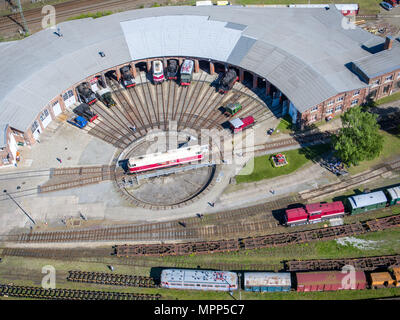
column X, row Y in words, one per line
column 267, row 281
column 279, row 281
column 330, row 281
column 199, row 280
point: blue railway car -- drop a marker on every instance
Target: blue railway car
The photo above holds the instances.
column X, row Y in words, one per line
column 267, row 281
column 199, row 279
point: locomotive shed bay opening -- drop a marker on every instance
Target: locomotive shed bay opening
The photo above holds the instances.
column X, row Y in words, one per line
column 190, row 152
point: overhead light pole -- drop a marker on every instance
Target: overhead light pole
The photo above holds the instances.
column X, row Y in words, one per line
column 26, row 213
column 22, row 17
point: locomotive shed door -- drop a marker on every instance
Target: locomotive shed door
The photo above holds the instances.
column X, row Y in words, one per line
column 35, row 130
column 69, row 98
column 56, row 108
column 45, row 118
column 36, row 134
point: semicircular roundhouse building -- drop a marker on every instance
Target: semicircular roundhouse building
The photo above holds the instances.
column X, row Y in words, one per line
column 310, row 60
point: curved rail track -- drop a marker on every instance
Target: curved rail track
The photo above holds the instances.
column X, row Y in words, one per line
column 147, row 107
column 71, row 294
column 111, row 279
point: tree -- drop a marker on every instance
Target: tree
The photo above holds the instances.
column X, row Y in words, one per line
column 359, row 138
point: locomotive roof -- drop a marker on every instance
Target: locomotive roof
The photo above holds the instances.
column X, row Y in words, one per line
column 187, row 66
column 394, row 192
column 364, row 200
column 317, row 207
column 296, row 213
column 267, row 279
column 199, row 276
column 236, row 123
column 233, row 106
column 169, row 155
column 302, row 51
column 158, row 67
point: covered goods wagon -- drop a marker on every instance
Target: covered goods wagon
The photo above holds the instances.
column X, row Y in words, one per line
column 330, row 281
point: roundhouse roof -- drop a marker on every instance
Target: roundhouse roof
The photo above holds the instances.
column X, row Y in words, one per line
column 302, row 51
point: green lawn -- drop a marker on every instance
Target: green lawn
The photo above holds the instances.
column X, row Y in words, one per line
column 93, row 15
column 391, row 98
column 391, row 147
column 285, row 125
column 263, row 168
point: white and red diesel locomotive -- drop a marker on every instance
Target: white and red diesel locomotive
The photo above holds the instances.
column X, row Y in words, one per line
column 158, row 72
column 167, row 159
column 314, row 212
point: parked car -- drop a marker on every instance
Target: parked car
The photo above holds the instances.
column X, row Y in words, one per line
column 393, row 3
column 386, row 6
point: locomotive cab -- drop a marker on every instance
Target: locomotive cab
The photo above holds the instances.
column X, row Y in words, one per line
column 127, row 78
column 158, row 72
column 172, row 70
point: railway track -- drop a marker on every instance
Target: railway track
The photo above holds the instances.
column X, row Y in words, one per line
column 254, row 220
column 363, row 263
column 147, row 262
column 70, row 294
column 227, row 223
column 218, row 224
column 267, row 241
column 77, row 177
column 349, row 182
column 111, row 279
column 66, row 178
column 11, row 22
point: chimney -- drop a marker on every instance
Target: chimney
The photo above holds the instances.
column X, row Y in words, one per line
column 388, row 43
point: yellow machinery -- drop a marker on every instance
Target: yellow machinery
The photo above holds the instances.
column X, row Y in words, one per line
column 396, row 273
column 382, row 280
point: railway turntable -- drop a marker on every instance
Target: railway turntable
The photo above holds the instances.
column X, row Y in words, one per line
column 165, row 178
